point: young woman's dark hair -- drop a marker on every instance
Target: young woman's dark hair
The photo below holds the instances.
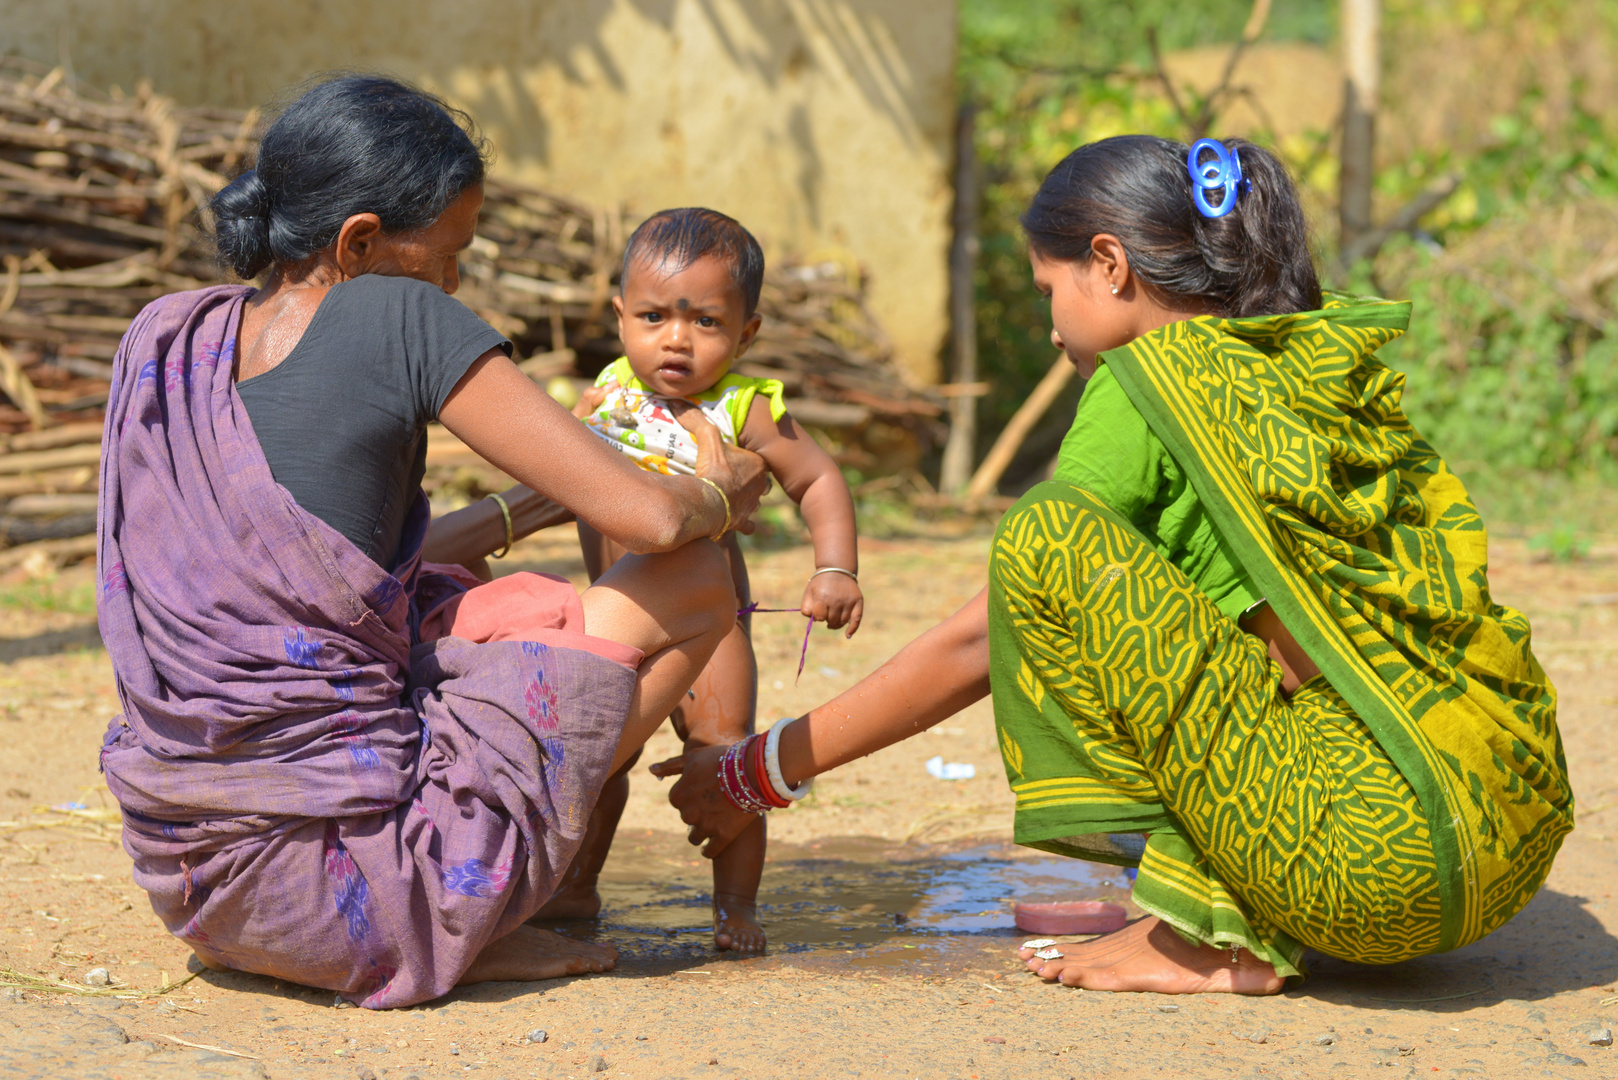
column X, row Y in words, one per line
column 1253, row 261
column 353, row 145
column 680, row 237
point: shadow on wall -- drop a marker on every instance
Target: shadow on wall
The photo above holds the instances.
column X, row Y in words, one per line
column 811, row 170
column 776, row 42
column 785, row 35
column 773, row 40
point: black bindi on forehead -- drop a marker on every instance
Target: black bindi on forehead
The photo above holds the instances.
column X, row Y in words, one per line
column 682, row 304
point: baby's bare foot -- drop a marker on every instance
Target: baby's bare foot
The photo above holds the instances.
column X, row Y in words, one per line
column 1150, row 956
column 529, row 953
column 735, row 924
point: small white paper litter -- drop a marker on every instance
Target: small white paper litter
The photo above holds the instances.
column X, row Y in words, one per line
column 940, row 769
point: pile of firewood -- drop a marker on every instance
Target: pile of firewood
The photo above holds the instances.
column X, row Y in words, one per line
column 103, row 208
column 99, row 215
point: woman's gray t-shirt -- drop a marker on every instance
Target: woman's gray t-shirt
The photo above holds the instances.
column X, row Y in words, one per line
column 343, row 418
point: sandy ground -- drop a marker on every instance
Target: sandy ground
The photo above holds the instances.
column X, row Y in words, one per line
column 886, row 900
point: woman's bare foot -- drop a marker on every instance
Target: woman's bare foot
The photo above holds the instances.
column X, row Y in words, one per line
column 735, row 924
column 529, row 953
column 1148, row 955
column 575, row 898
column 209, row 960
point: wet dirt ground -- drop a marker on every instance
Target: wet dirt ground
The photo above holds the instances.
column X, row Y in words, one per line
column 886, row 899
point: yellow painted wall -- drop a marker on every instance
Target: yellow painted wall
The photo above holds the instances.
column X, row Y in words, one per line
column 825, row 126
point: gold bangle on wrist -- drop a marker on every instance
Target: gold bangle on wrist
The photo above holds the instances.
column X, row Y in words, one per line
column 723, row 498
column 505, row 514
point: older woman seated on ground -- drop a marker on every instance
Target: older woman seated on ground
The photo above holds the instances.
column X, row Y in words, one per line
column 340, row 763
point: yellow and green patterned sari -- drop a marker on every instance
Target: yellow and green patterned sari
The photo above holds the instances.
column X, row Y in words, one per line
column 1408, row 800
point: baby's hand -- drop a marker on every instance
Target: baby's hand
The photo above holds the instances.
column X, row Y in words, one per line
column 589, row 401
column 834, row 599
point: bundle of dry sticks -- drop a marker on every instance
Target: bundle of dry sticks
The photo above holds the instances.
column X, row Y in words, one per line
column 103, row 208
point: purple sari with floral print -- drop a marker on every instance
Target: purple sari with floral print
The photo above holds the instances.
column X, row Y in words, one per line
column 310, row 791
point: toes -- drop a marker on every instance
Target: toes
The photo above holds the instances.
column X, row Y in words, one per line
column 1058, row 969
column 1071, row 975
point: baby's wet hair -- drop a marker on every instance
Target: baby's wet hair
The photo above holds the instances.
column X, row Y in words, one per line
column 674, row 239
column 1253, row 261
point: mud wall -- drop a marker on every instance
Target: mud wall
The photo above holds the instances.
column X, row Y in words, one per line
column 824, row 125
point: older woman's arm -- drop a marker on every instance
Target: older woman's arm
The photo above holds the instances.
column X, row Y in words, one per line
column 934, row 677
column 469, row 534
column 499, row 412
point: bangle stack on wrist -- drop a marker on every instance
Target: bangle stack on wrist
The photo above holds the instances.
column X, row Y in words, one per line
column 738, row 775
column 750, row 774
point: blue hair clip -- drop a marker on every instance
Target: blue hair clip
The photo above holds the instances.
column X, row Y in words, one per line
column 1223, row 170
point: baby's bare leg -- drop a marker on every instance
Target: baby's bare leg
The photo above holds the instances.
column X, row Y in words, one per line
column 721, row 710
column 736, row 874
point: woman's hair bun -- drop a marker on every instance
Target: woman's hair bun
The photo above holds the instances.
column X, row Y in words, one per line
column 241, row 213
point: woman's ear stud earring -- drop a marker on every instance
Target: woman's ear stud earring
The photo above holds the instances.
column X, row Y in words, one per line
column 1115, row 290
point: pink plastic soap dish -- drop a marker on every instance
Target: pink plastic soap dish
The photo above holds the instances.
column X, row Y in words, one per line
column 1070, row 917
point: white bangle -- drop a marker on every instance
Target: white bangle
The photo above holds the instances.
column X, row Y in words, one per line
column 835, row 570
column 772, row 765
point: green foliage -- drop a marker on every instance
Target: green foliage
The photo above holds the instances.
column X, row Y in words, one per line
column 1509, row 383
column 1512, row 356
column 1049, row 76
column 50, row 594
column 1561, row 543
column 1517, row 502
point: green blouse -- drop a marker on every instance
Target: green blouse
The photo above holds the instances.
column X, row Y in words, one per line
column 1112, row 453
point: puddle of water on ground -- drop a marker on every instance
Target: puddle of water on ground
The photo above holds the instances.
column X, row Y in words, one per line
column 858, row 900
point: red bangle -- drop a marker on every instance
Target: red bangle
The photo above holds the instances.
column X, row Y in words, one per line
column 760, row 776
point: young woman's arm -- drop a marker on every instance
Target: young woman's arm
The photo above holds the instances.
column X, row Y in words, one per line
column 934, row 677
column 515, row 426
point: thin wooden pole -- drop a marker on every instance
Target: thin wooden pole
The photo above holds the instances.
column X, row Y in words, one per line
column 961, row 446
column 1362, row 24
column 1022, row 422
